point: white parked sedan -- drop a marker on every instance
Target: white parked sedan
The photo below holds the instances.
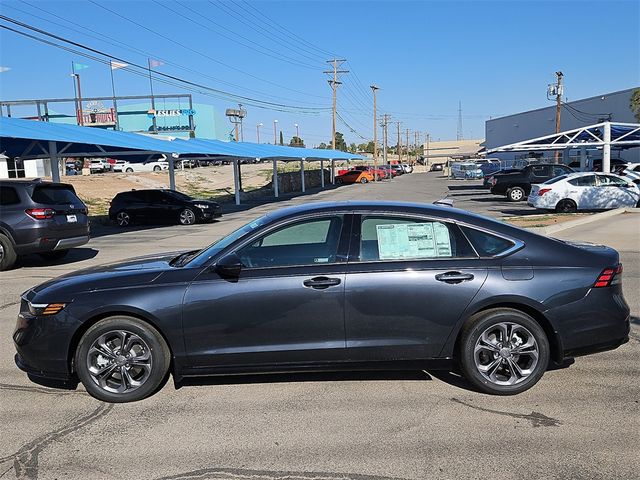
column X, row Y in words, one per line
column 584, row 191
column 153, row 166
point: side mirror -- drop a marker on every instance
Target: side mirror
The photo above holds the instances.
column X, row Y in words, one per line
column 228, row 266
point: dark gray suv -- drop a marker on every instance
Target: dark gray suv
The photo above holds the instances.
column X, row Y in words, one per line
column 39, row 217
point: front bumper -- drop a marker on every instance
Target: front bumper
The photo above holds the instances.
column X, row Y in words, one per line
column 47, row 379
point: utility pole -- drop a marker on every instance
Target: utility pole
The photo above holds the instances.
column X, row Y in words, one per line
column 416, row 143
column 460, row 136
column 426, row 158
column 241, row 127
column 335, row 63
column 375, row 135
column 399, row 146
column 385, row 123
column 559, row 92
column 408, row 153
column 80, row 115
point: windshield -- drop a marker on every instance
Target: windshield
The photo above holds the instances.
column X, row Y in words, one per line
column 216, row 247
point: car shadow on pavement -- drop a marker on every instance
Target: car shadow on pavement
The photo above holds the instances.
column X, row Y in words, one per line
column 74, row 255
column 342, row 376
column 466, row 187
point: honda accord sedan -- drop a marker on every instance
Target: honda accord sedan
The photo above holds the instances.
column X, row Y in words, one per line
column 330, row 286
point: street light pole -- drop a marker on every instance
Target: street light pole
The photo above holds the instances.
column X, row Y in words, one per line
column 375, row 136
column 258, row 131
column 275, row 132
column 297, row 131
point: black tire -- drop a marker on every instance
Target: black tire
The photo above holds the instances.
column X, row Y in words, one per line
column 156, row 168
column 123, row 219
column 339, row 181
column 129, row 170
column 8, row 254
column 566, row 206
column 516, row 194
column 152, row 379
column 54, row 255
column 187, row 217
column 524, row 329
column 364, row 180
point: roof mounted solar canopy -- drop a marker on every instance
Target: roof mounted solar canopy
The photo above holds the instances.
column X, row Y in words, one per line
column 604, row 135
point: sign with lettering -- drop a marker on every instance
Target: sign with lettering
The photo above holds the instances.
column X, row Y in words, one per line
column 171, row 113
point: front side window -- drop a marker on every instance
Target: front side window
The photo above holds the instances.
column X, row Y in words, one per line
column 307, row 242
column 609, row 181
column 388, row 238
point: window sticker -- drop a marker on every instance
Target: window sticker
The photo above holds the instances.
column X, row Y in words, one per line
column 413, row 240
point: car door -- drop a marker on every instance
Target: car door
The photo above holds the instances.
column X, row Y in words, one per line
column 614, row 192
column 158, row 206
column 583, row 190
column 408, row 281
column 286, row 306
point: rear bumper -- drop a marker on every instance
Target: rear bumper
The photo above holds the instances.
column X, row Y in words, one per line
column 46, row 244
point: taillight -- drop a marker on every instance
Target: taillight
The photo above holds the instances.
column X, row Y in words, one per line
column 609, row 276
column 40, row 213
column 542, row 191
column 493, row 180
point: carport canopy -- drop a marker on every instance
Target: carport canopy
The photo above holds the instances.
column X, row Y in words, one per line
column 604, row 135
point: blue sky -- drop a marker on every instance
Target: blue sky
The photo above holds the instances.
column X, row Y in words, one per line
column 495, row 57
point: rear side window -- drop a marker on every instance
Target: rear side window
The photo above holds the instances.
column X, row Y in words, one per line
column 606, row 180
column 486, row 244
column 388, row 238
column 54, row 195
column 9, row 196
column 584, row 181
column 540, row 171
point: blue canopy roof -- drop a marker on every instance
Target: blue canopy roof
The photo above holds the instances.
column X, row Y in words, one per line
column 30, row 139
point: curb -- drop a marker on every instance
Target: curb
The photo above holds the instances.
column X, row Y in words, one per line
column 582, row 221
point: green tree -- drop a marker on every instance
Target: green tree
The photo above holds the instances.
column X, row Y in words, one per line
column 353, row 148
column 634, row 103
column 296, row 142
column 340, row 143
column 281, row 138
column 322, row 146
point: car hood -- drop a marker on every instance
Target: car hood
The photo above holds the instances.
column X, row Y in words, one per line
column 128, row 273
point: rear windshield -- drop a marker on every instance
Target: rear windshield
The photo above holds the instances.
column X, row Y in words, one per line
column 54, row 195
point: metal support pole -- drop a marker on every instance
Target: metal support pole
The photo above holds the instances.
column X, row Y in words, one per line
column 333, row 171
column 54, row 161
column 606, row 149
column 236, row 180
column 302, row 174
column 583, row 159
column 172, row 172
column 322, row 173
column 276, row 187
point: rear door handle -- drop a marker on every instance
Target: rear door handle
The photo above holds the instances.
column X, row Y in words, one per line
column 454, row 277
column 320, row 283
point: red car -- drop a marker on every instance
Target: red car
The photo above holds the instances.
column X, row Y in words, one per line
column 373, row 171
column 354, row 176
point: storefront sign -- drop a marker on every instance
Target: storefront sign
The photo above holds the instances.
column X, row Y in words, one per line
column 171, row 113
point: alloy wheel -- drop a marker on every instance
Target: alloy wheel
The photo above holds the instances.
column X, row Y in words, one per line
column 1, row 252
column 187, row 217
column 119, row 361
column 123, row 219
column 506, row 353
column 516, row 195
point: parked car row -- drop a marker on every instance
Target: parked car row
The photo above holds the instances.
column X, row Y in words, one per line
column 367, row 173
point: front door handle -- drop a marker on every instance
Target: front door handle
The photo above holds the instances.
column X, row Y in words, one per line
column 320, row 283
column 454, row 277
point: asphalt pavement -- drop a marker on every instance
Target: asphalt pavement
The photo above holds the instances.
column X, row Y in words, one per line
column 578, row 422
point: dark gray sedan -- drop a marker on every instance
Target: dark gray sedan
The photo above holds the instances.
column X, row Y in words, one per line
column 330, row 286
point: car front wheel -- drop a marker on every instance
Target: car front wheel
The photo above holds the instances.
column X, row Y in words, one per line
column 515, row 194
column 157, row 168
column 122, row 359
column 187, row 217
column 503, row 351
column 364, row 180
column 129, row 170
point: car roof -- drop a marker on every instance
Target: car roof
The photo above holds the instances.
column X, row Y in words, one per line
column 33, row 181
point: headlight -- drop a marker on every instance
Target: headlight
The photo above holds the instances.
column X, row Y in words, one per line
column 45, row 308
column 201, row 205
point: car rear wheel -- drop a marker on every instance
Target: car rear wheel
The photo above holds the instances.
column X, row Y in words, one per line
column 503, row 351
column 123, row 219
column 515, row 194
column 566, row 206
column 364, row 180
column 156, row 168
column 187, row 217
column 122, row 359
column 129, row 170
column 339, row 181
column 8, row 255
column 54, row 255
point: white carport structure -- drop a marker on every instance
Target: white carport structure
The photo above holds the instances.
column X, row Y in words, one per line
column 605, row 135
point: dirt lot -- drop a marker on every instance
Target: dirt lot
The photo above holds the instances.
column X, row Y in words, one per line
column 97, row 190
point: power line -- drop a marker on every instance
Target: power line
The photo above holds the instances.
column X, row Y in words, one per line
column 255, row 102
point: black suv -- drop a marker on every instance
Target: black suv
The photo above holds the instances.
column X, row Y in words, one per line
column 517, row 185
column 39, row 217
column 157, row 206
